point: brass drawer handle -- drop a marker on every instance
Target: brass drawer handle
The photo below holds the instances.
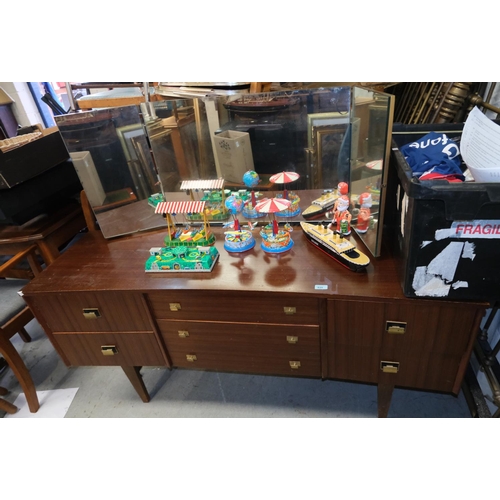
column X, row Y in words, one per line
column 389, row 366
column 291, row 339
column 91, row 313
column 294, row 365
column 175, row 306
column 191, row 357
column 398, row 327
column 183, row 334
column 109, row 350
column 290, row 310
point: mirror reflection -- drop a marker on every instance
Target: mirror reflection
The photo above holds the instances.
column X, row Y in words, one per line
column 111, row 155
column 371, row 124
column 306, row 147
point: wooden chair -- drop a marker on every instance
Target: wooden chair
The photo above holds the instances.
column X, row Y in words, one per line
column 14, row 316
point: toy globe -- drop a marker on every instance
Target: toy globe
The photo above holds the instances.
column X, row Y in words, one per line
column 234, row 204
column 251, row 178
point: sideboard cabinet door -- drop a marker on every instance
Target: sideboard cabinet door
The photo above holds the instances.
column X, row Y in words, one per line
column 424, row 344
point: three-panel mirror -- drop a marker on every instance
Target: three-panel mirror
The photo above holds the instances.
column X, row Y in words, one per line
column 299, row 144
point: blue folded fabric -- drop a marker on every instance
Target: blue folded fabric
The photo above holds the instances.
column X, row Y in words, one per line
column 434, row 153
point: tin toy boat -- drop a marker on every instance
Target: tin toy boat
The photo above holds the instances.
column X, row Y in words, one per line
column 321, row 205
column 336, row 246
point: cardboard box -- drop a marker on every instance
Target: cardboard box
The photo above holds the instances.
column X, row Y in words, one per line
column 85, row 168
column 234, row 153
column 43, row 194
column 32, row 159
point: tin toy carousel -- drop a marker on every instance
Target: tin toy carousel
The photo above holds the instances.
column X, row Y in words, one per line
column 237, row 239
column 275, row 239
column 214, row 196
column 285, row 178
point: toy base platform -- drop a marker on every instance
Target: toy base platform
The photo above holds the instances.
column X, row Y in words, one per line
column 280, row 249
column 212, row 218
column 238, row 241
column 252, row 214
column 232, row 249
column 182, row 260
column 288, row 213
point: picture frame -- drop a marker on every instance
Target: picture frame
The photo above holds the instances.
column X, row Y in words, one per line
column 327, row 143
column 125, row 134
column 133, row 141
column 323, row 119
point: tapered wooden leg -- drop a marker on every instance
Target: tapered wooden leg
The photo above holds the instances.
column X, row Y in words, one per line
column 135, row 377
column 8, row 407
column 384, row 396
column 3, row 391
column 24, row 335
column 22, row 374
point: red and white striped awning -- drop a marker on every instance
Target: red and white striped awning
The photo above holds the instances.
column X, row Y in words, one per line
column 201, row 185
column 180, row 207
column 284, row 177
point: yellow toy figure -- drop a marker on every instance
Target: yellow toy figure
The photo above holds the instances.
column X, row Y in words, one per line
column 364, row 215
column 342, row 217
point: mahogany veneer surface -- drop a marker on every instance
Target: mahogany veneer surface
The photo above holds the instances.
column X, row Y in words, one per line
column 99, row 264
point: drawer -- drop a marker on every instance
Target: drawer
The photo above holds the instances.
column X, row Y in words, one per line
column 110, row 349
column 242, row 338
column 416, row 369
column 240, row 362
column 235, row 307
column 242, row 347
column 427, row 371
column 94, row 312
column 439, row 328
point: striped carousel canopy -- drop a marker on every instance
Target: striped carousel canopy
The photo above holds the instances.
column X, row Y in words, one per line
column 201, row 185
column 180, row 207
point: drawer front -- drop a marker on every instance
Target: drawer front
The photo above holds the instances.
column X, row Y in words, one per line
column 425, row 370
column 110, row 349
column 240, row 347
column 245, row 363
column 235, row 307
column 415, row 370
column 438, row 328
column 94, row 312
column 243, row 337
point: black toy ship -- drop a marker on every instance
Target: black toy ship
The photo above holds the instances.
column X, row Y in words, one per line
column 335, row 245
column 321, row 205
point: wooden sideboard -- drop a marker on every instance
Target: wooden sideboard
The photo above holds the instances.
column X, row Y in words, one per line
column 298, row 314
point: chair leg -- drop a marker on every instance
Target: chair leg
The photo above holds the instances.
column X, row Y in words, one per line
column 3, row 365
column 8, row 407
column 3, row 391
column 24, row 335
column 22, row 374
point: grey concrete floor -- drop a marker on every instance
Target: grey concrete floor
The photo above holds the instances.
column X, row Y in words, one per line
column 105, row 392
